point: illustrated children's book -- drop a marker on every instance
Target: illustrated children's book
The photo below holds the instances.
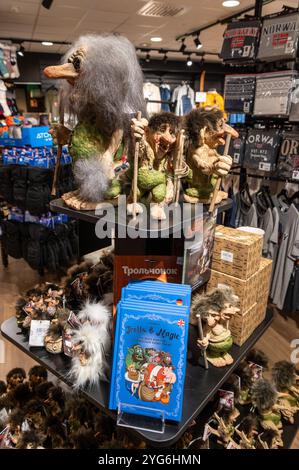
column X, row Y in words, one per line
column 149, row 356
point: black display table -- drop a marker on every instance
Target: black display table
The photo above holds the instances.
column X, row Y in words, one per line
column 162, row 227
column 200, row 384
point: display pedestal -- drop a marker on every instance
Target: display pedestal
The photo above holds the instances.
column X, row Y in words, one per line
column 200, row 384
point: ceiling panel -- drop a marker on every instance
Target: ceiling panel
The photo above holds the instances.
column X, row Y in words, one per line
column 67, row 19
column 19, row 7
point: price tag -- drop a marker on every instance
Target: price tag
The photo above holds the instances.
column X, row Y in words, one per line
column 265, row 166
column 256, row 371
column 226, row 399
column 295, row 175
column 3, row 415
column 38, row 331
column 200, row 97
column 207, row 431
column 227, row 256
column 222, row 286
column 236, row 157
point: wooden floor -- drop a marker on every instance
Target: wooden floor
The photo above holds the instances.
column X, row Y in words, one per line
column 19, row 276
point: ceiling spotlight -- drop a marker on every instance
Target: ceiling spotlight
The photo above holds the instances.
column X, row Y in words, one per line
column 183, row 46
column 189, row 61
column 47, row 43
column 156, row 39
column 47, row 4
column 197, row 43
column 230, row 3
column 147, row 58
column 21, row 51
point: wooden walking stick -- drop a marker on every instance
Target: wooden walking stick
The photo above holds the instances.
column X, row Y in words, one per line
column 59, row 153
column 180, row 160
column 200, row 332
column 218, row 183
column 135, row 174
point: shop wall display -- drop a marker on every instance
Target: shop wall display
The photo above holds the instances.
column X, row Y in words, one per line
column 279, row 38
column 240, row 41
column 261, row 150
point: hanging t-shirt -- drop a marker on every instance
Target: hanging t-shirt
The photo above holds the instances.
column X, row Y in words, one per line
column 214, row 99
column 239, row 93
column 273, row 93
column 265, row 222
column 165, row 93
column 287, row 254
column 152, row 97
column 262, row 149
column 184, row 97
column 240, row 41
column 279, row 38
column 288, row 159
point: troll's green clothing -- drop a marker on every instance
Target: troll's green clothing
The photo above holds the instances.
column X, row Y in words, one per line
column 87, row 143
column 221, row 348
column 274, row 417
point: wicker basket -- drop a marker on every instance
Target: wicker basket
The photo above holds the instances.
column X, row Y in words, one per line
column 244, row 289
column 236, row 253
column 243, row 325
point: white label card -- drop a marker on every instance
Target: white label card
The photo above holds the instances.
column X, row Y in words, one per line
column 200, row 97
column 38, row 331
column 295, row 175
column 265, row 166
column 222, row 286
column 227, row 256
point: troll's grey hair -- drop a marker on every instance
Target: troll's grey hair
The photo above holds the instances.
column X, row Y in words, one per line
column 110, row 83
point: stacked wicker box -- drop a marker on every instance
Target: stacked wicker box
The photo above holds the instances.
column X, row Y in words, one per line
column 244, row 289
column 244, row 324
column 263, row 278
column 237, row 263
column 236, row 252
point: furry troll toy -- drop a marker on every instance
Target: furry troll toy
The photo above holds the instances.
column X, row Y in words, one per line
column 102, row 89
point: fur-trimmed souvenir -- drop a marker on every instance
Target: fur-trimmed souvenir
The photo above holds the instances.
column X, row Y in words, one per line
column 21, row 394
column 269, row 439
column 56, row 436
column 56, row 401
column 15, row 377
column 215, row 310
column 84, row 439
column 258, row 357
column 247, row 432
column 92, row 343
column 30, row 440
column 264, row 398
column 103, row 86
column 37, row 375
column 226, row 425
column 284, row 379
column 53, row 338
column 79, row 412
column 15, row 421
column 206, row 130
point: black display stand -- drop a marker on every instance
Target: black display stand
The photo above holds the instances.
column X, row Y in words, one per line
column 200, row 384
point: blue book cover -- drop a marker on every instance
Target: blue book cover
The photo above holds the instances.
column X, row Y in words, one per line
column 149, row 358
column 157, row 292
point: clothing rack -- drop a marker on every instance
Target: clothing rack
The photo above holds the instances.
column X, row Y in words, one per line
column 268, row 177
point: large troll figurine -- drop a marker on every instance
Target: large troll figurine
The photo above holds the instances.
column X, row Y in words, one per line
column 102, row 88
column 157, row 146
column 206, row 130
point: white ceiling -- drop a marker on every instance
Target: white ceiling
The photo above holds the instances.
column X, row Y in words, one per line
column 68, row 19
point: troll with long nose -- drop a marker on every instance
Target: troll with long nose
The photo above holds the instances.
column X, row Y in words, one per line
column 102, row 88
column 206, row 130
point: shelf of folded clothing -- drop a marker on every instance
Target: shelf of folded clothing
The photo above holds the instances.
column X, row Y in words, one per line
column 145, row 227
column 200, row 384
